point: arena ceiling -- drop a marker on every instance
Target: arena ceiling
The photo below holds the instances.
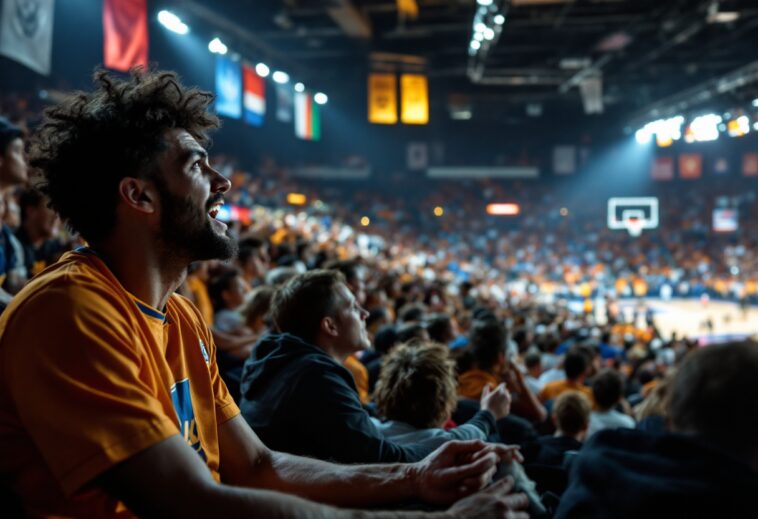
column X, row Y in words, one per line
column 643, row 52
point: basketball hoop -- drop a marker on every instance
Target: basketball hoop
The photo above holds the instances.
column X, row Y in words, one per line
column 634, row 227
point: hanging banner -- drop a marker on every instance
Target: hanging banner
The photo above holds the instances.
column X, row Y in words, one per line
column 382, row 98
column 690, row 166
column 125, row 40
column 26, row 33
column 721, row 166
column 417, row 158
column 254, row 97
column 564, row 160
column 307, row 117
column 662, row 169
column 414, row 100
column 228, row 88
column 284, row 102
column 750, row 164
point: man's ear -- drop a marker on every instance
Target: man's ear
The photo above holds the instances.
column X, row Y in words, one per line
column 138, row 194
column 329, row 326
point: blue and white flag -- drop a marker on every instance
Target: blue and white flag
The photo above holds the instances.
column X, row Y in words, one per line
column 228, row 88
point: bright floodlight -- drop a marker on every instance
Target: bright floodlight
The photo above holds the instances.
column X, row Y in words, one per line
column 280, row 77
column 484, row 2
column 706, row 127
column 172, row 22
column 262, row 69
column 500, row 19
column 489, row 34
column 299, row 87
column 476, row 45
column 480, row 27
column 217, row 46
column 643, row 136
column 320, row 98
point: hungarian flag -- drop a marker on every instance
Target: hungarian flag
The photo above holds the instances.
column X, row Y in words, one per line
column 307, row 117
column 125, row 28
column 254, row 96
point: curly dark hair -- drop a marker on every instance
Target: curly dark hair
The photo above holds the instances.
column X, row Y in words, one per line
column 90, row 141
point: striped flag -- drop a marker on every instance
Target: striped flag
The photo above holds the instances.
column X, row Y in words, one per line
column 254, row 96
column 307, row 117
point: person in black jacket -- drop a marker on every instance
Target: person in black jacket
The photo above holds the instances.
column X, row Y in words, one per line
column 706, row 467
column 298, row 396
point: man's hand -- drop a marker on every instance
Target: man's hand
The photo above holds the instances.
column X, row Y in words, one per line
column 497, row 401
column 497, row 501
column 458, row 469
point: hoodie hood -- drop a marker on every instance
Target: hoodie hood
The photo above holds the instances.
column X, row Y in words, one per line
column 274, row 354
column 629, row 473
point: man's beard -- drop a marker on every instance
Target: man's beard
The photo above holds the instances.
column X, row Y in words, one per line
column 187, row 232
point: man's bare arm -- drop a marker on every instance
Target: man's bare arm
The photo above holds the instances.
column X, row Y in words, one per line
column 459, row 470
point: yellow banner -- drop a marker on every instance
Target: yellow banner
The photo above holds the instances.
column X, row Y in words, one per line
column 382, row 98
column 415, row 99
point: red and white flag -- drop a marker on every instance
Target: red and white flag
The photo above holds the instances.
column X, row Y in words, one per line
column 254, row 96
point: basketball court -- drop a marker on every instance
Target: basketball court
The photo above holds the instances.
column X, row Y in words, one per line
column 714, row 321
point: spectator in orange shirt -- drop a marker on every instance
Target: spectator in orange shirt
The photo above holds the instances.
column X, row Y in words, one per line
column 577, row 368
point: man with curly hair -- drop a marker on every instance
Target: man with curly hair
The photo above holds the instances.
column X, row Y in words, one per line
column 110, row 401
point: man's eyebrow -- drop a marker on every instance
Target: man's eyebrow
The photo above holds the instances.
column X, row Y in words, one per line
column 195, row 152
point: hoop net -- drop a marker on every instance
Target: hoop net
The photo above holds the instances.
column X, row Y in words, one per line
column 634, row 227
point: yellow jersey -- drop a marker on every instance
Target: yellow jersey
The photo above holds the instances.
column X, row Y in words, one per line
column 91, row 376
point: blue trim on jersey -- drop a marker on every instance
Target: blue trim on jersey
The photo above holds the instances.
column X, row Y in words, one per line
column 150, row 311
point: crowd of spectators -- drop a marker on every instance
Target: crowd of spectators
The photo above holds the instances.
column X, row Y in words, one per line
column 462, row 328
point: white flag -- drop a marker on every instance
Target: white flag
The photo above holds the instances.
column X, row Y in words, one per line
column 26, row 32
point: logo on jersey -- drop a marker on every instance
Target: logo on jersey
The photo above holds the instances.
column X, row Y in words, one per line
column 182, row 399
column 205, row 352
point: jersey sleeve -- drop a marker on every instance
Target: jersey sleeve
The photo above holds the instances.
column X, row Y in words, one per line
column 72, row 363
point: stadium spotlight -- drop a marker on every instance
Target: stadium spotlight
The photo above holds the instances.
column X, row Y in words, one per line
column 739, row 127
column 706, row 127
column 172, row 22
column 299, row 87
column 489, row 34
column 500, row 19
column 485, row 3
column 480, row 27
column 320, row 98
column 216, row 46
column 503, row 209
column 643, row 136
column 280, row 77
column 262, row 69
column 475, row 44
